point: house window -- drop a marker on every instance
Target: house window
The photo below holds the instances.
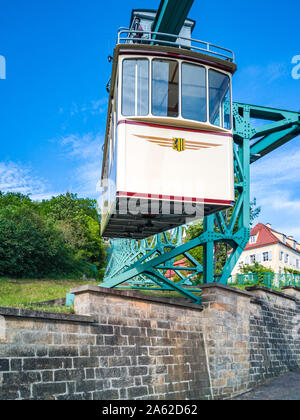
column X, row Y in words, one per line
column 265, row 256
column 252, row 259
column 281, row 255
column 286, row 258
column 252, row 239
column 295, row 245
column 284, row 239
column 297, row 263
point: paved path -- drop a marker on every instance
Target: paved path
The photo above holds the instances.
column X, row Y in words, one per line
column 285, row 387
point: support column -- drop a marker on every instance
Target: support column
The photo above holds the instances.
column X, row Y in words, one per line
column 208, row 251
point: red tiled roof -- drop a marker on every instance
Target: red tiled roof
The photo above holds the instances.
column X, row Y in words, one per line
column 181, row 263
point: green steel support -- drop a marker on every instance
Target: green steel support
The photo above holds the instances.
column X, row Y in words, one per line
column 208, row 251
column 170, row 17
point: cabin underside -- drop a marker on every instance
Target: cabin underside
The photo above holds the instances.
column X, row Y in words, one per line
column 144, row 218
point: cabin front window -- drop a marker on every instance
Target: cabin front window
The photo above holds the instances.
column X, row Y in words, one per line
column 219, row 99
column 135, row 88
column 165, row 88
column 194, row 93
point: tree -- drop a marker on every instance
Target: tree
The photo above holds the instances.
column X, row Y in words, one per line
column 17, row 200
column 260, row 273
column 78, row 220
column 195, row 230
column 256, row 268
column 58, row 236
column 31, row 246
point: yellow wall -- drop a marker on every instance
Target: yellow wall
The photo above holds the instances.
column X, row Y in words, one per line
column 275, row 263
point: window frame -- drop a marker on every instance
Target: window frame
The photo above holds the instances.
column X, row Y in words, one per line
column 180, row 62
column 184, row 62
column 212, row 69
column 153, row 59
column 121, row 85
column 266, row 256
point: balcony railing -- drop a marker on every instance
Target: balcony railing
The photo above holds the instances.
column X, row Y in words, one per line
column 130, row 36
column 270, row 280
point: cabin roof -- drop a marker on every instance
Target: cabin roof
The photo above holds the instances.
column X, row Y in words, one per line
column 173, row 52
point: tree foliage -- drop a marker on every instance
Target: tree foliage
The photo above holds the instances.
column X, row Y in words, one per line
column 57, row 237
column 256, row 268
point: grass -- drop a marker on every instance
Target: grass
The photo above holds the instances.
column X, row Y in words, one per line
column 166, row 294
column 24, row 293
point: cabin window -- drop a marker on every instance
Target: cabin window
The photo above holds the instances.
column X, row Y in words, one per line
column 194, row 96
column 165, row 83
column 219, row 99
column 135, row 88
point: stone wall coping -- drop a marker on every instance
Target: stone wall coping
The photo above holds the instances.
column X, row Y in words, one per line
column 291, row 287
column 228, row 288
column 272, row 292
column 134, row 295
column 54, row 302
column 52, row 316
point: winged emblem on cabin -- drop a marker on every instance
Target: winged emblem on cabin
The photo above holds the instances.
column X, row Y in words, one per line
column 178, row 144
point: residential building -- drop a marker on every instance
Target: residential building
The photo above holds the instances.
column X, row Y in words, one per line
column 271, row 249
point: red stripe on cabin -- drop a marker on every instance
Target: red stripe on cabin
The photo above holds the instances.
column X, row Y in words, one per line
column 170, row 127
column 173, row 198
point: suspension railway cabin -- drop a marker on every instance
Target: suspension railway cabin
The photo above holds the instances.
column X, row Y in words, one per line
column 169, row 141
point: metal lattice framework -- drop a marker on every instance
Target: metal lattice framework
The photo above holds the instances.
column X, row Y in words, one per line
column 125, row 253
column 131, row 260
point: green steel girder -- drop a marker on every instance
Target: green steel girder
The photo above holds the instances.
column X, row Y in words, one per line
column 152, row 261
column 170, row 17
column 284, row 126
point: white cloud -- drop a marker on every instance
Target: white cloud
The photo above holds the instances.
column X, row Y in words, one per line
column 18, row 178
column 86, row 152
column 260, row 84
column 94, row 107
column 275, row 182
column 278, row 167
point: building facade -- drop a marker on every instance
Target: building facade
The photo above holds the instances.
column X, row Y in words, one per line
column 271, row 249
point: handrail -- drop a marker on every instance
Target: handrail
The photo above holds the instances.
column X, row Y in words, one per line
column 131, row 37
column 276, row 280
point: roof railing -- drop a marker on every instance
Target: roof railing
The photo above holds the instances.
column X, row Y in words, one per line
column 130, row 36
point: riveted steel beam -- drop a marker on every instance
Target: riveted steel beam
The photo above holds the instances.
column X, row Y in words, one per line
column 170, row 17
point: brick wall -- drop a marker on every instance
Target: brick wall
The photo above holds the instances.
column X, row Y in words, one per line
column 126, row 346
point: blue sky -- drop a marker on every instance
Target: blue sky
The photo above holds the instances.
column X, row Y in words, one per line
column 53, row 102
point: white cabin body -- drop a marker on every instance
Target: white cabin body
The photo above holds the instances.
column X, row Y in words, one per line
column 168, row 155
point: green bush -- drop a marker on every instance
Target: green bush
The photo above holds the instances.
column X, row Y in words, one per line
column 58, row 237
column 31, row 246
